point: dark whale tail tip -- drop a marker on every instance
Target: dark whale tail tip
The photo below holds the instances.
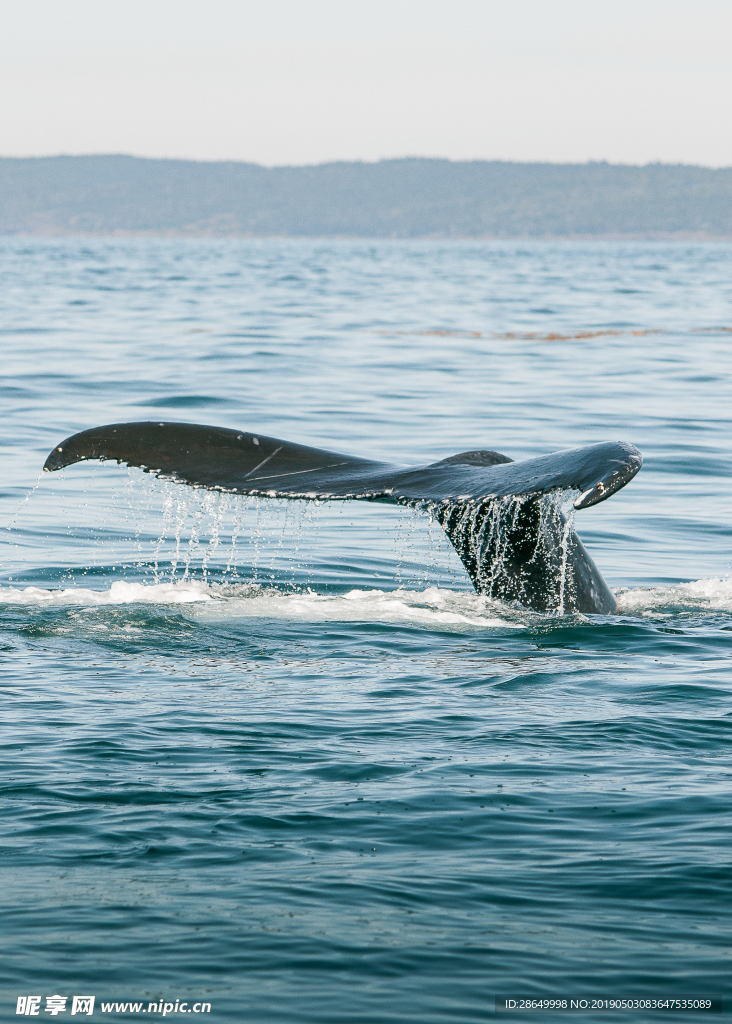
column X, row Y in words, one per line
column 510, row 541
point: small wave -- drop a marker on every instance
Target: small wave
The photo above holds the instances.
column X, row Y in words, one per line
column 714, row 594
column 433, row 606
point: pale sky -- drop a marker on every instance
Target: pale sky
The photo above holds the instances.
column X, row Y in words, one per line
column 307, row 81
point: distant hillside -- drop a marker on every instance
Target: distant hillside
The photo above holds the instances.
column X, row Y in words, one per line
column 409, row 198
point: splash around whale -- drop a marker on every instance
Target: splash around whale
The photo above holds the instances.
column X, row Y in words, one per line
column 504, row 518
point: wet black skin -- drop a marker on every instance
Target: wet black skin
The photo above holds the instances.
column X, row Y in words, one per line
column 540, row 565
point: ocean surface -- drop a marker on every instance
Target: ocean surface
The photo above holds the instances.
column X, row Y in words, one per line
column 280, row 758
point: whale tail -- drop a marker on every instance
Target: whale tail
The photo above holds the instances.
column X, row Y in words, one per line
column 510, row 534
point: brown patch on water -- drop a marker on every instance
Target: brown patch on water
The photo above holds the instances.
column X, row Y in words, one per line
column 530, row 335
column 573, row 336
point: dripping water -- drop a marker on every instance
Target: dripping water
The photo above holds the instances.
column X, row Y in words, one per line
column 506, row 541
column 217, row 509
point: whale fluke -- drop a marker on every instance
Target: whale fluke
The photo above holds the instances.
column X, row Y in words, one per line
column 515, row 544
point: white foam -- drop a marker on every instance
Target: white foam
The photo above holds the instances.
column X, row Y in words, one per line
column 120, row 592
column 433, row 606
column 702, row 595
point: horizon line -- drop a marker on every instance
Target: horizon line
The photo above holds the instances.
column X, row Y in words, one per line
column 379, row 160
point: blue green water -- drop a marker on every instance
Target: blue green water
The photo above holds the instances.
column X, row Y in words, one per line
column 281, row 758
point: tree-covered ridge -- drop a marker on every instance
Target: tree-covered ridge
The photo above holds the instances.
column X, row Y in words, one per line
column 404, row 198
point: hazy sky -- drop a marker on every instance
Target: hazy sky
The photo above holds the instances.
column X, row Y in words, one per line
column 305, row 81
